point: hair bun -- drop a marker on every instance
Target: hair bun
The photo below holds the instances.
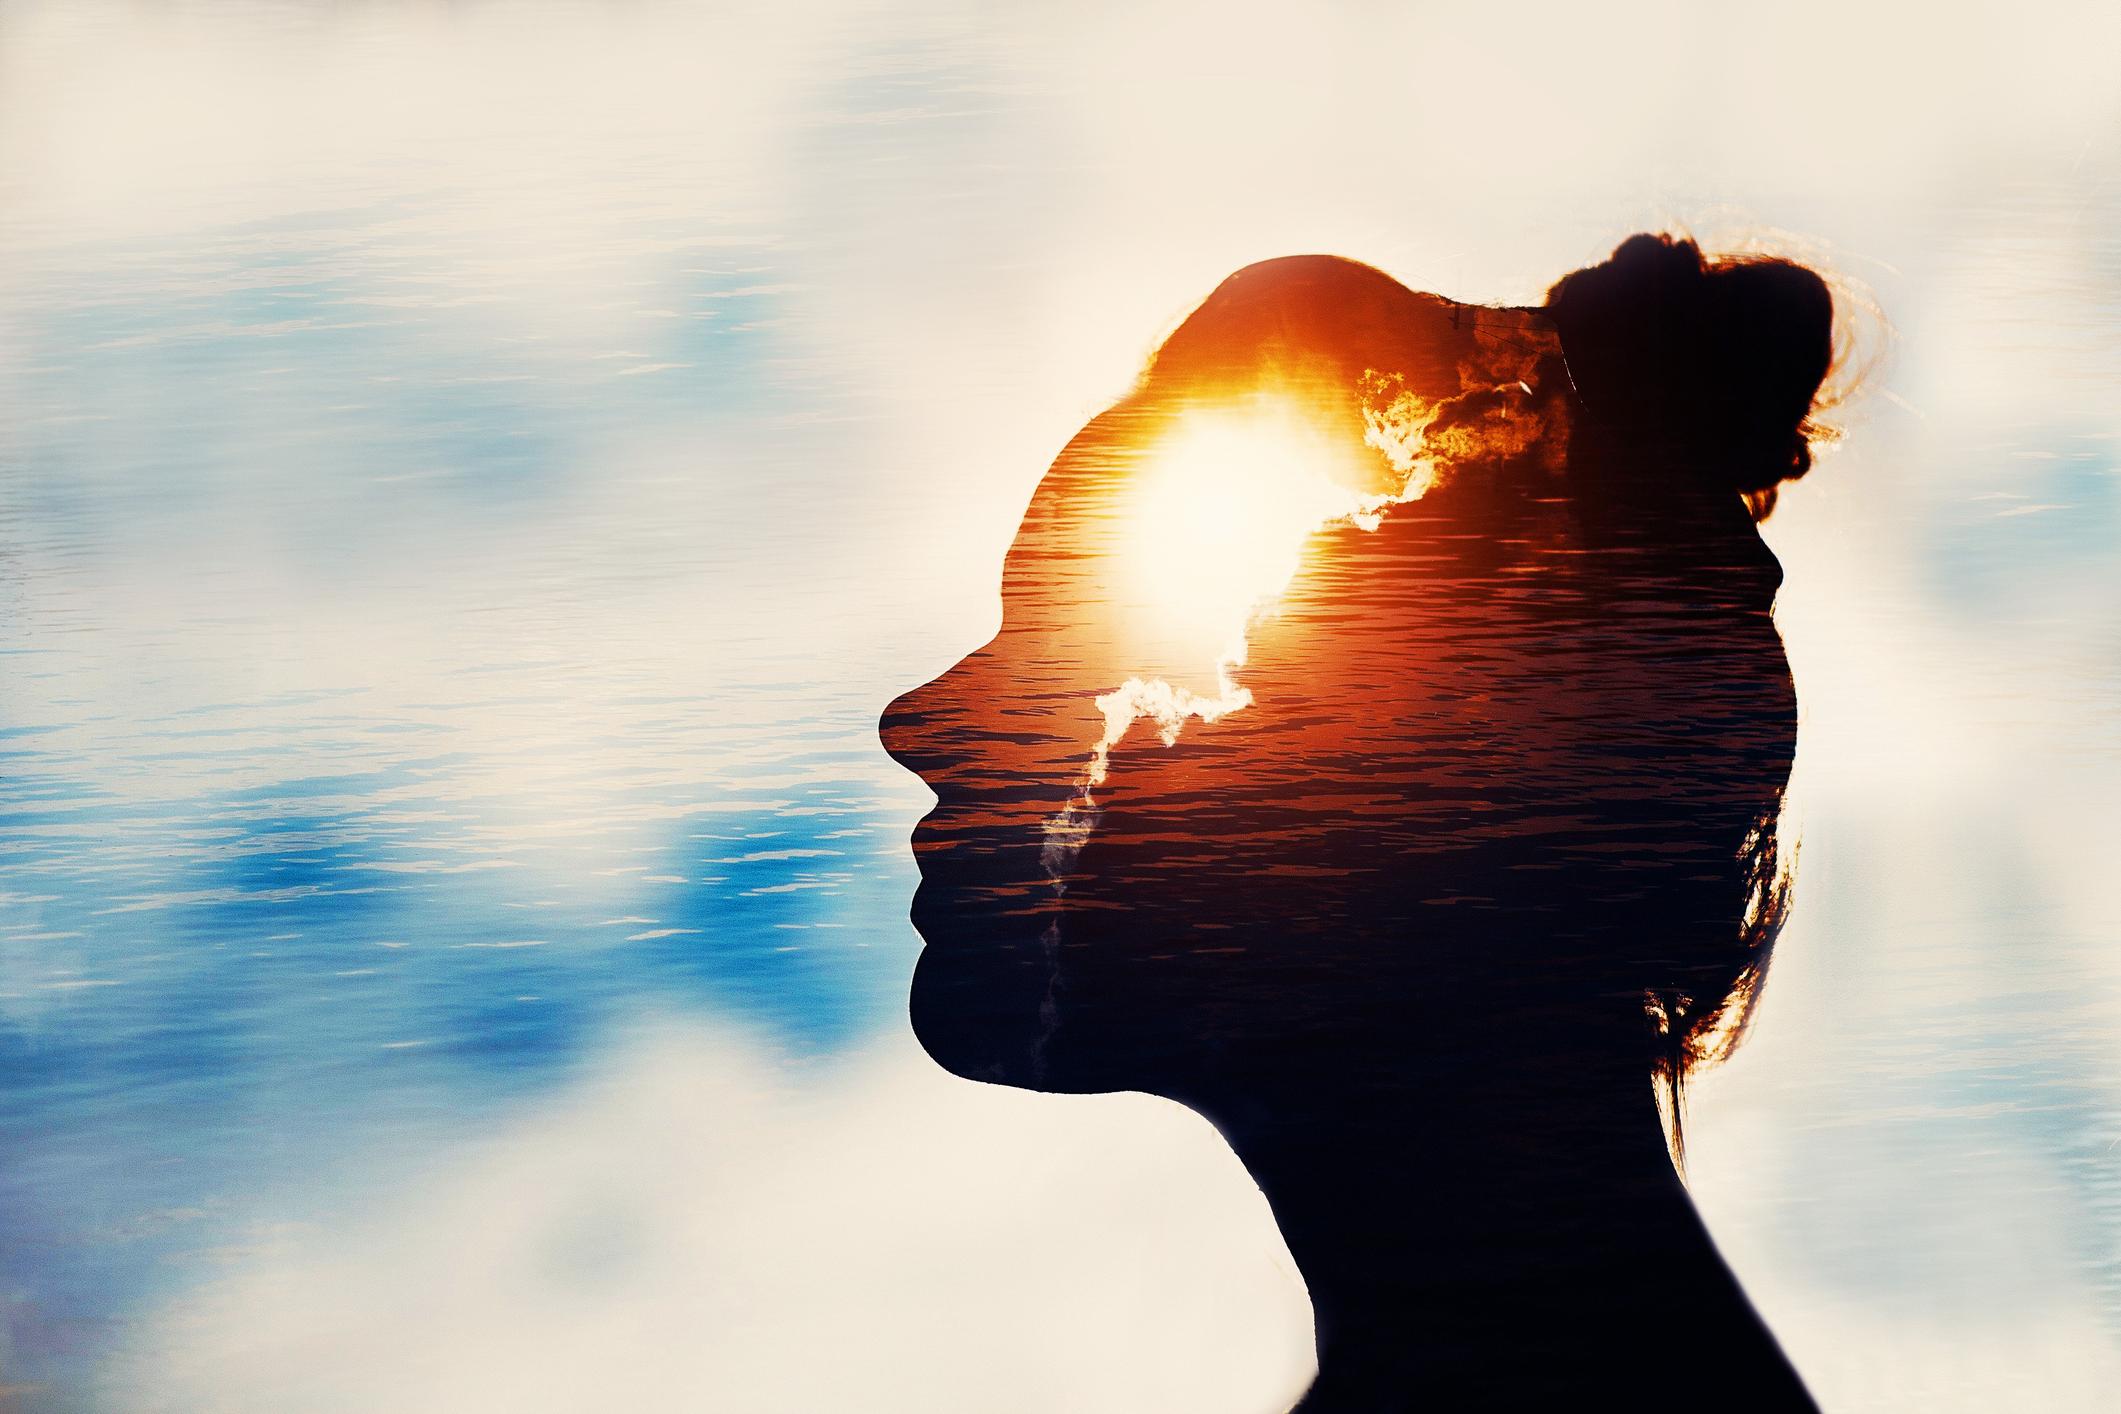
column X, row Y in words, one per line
column 1709, row 365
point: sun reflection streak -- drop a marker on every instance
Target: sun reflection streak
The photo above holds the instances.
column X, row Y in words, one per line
column 1218, row 522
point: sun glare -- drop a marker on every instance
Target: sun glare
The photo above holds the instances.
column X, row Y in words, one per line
column 1222, row 510
column 1218, row 518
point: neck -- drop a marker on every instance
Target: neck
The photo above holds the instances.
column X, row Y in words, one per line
column 1507, row 1242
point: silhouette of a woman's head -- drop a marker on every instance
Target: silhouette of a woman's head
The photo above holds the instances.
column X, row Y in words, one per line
column 1381, row 754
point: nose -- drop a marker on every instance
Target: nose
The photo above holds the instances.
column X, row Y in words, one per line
column 898, row 727
column 913, row 731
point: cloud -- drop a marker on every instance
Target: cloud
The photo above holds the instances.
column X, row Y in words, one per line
column 700, row 1226
column 1900, row 1266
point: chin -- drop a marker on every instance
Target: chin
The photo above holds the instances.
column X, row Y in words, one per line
column 980, row 993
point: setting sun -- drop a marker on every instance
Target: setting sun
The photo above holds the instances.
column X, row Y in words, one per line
column 1216, row 530
column 1223, row 509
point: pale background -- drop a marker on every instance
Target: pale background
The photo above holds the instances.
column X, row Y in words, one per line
column 470, row 475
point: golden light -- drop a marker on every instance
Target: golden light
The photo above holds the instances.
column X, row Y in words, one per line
column 1216, row 525
column 1220, row 514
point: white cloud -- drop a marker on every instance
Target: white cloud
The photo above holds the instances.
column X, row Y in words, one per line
column 697, row 1226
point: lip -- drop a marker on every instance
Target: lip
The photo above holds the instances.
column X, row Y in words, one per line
column 931, row 908
column 949, row 908
column 941, row 848
column 921, row 839
column 928, row 864
column 986, row 897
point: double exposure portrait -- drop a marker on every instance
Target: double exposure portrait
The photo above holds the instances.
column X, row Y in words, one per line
column 889, row 708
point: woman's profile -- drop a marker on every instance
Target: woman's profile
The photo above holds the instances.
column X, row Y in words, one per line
column 1382, row 754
